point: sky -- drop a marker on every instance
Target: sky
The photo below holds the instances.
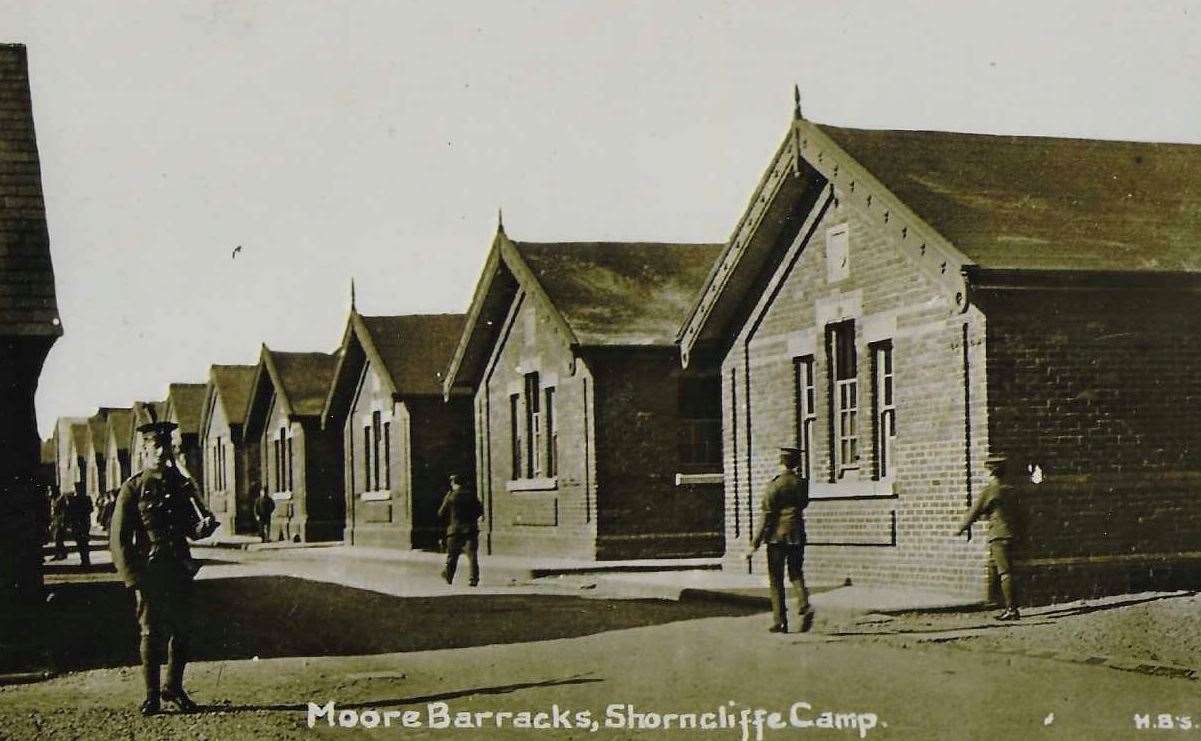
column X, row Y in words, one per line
column 376, row 141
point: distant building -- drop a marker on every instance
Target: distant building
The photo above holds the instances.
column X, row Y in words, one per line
column 79, row 447
column 901, row 304
column 231, row 460
column 400, row 439
column 301, row 463
column 117, row 454
column 591, row 441
column 185, row 406
column 63, row 446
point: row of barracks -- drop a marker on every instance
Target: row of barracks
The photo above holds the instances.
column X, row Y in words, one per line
column 896, row 304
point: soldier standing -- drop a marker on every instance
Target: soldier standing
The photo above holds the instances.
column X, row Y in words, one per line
column 154, row 516
column 783, row 530
column 996, row 501
column 58, row 525
column 461, row 510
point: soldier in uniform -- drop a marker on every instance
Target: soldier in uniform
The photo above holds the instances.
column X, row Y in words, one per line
column 79, row 518
column 996, row 502
column 157, row 511
column 264, row 506
column 461, row 510
column 783, row 530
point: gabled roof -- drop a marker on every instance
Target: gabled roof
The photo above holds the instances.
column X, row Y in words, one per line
column 231, row 384
column 81, row 437
column 299, row 380
column 966, row 206
column 411, row 350
column 1033, row 202
column 120, row 427
column 603, row 294
column 27, row 300
column 185, row 402
column 98, row 425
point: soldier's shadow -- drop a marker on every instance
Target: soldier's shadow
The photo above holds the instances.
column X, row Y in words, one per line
column 90, row 625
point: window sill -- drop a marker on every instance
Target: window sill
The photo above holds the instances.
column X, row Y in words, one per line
column 688, row 479
column 375, row 496
column 543, row 484
column 869, row 489
column 282, row 496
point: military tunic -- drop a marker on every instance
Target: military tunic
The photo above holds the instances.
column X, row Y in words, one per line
column 783, row 530
column 149, row 544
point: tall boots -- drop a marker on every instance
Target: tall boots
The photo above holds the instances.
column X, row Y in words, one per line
column 150, row 675
column 172, row 692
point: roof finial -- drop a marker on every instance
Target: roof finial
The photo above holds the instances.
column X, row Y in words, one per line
column 796, row 97
column 500, row 221
column 352, row 306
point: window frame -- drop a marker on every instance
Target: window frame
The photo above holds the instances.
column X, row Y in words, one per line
column 884, row 412
column 845, row 448
column 805, row 409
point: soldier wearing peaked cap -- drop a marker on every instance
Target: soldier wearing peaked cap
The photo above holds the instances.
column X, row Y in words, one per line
column 155, row 515
column 783, row 530
column 996, row 502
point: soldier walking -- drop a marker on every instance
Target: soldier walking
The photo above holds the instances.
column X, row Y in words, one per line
column 79, row 519
column 783, row 530
column 264, row 507
column 461, row 511
column 156, row 512
column 996, row 502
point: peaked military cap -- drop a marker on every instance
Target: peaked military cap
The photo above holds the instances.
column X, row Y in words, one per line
column 995, row 458
column 155, row 426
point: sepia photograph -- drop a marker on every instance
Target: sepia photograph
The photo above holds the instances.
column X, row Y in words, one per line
column 600, row 369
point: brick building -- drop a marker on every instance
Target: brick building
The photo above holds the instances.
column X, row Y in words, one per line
column 79, row 445
column 63, row 445
column 301, row 463
column 231, row 461
column 185, row 406
column 94, row 472
column 591, row 442
column 899, row 304
column 400, row 438
column 116, row 447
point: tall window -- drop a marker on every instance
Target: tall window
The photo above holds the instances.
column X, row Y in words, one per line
column 279, row 464
column 699, row 407
column 552, row 434
column 376, row 434
column 291, row 461
column 366, row 457
column 886, row 411
column 533, row 424
column 806, row 411
column 845, row 397
column 515, row 436
column 388, row 455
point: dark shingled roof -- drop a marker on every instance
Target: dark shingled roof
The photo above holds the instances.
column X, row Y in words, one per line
column 306, row 377
column 99, row 427
column 27, row 301
column 234, row 383
column 188, row 401
column 416, row 348
column 120, row 423
column 81, row 435
column 1023, row 202
column 614, row 293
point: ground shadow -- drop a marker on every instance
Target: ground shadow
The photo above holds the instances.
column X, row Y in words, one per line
column 91, row 624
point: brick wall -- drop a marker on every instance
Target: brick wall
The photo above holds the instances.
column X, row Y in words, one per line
column 872, row 531
column 558, row 519
column 641, row 513
column 441, row 441
column 376, row 522
column 1099, row 390
column 316, row 509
